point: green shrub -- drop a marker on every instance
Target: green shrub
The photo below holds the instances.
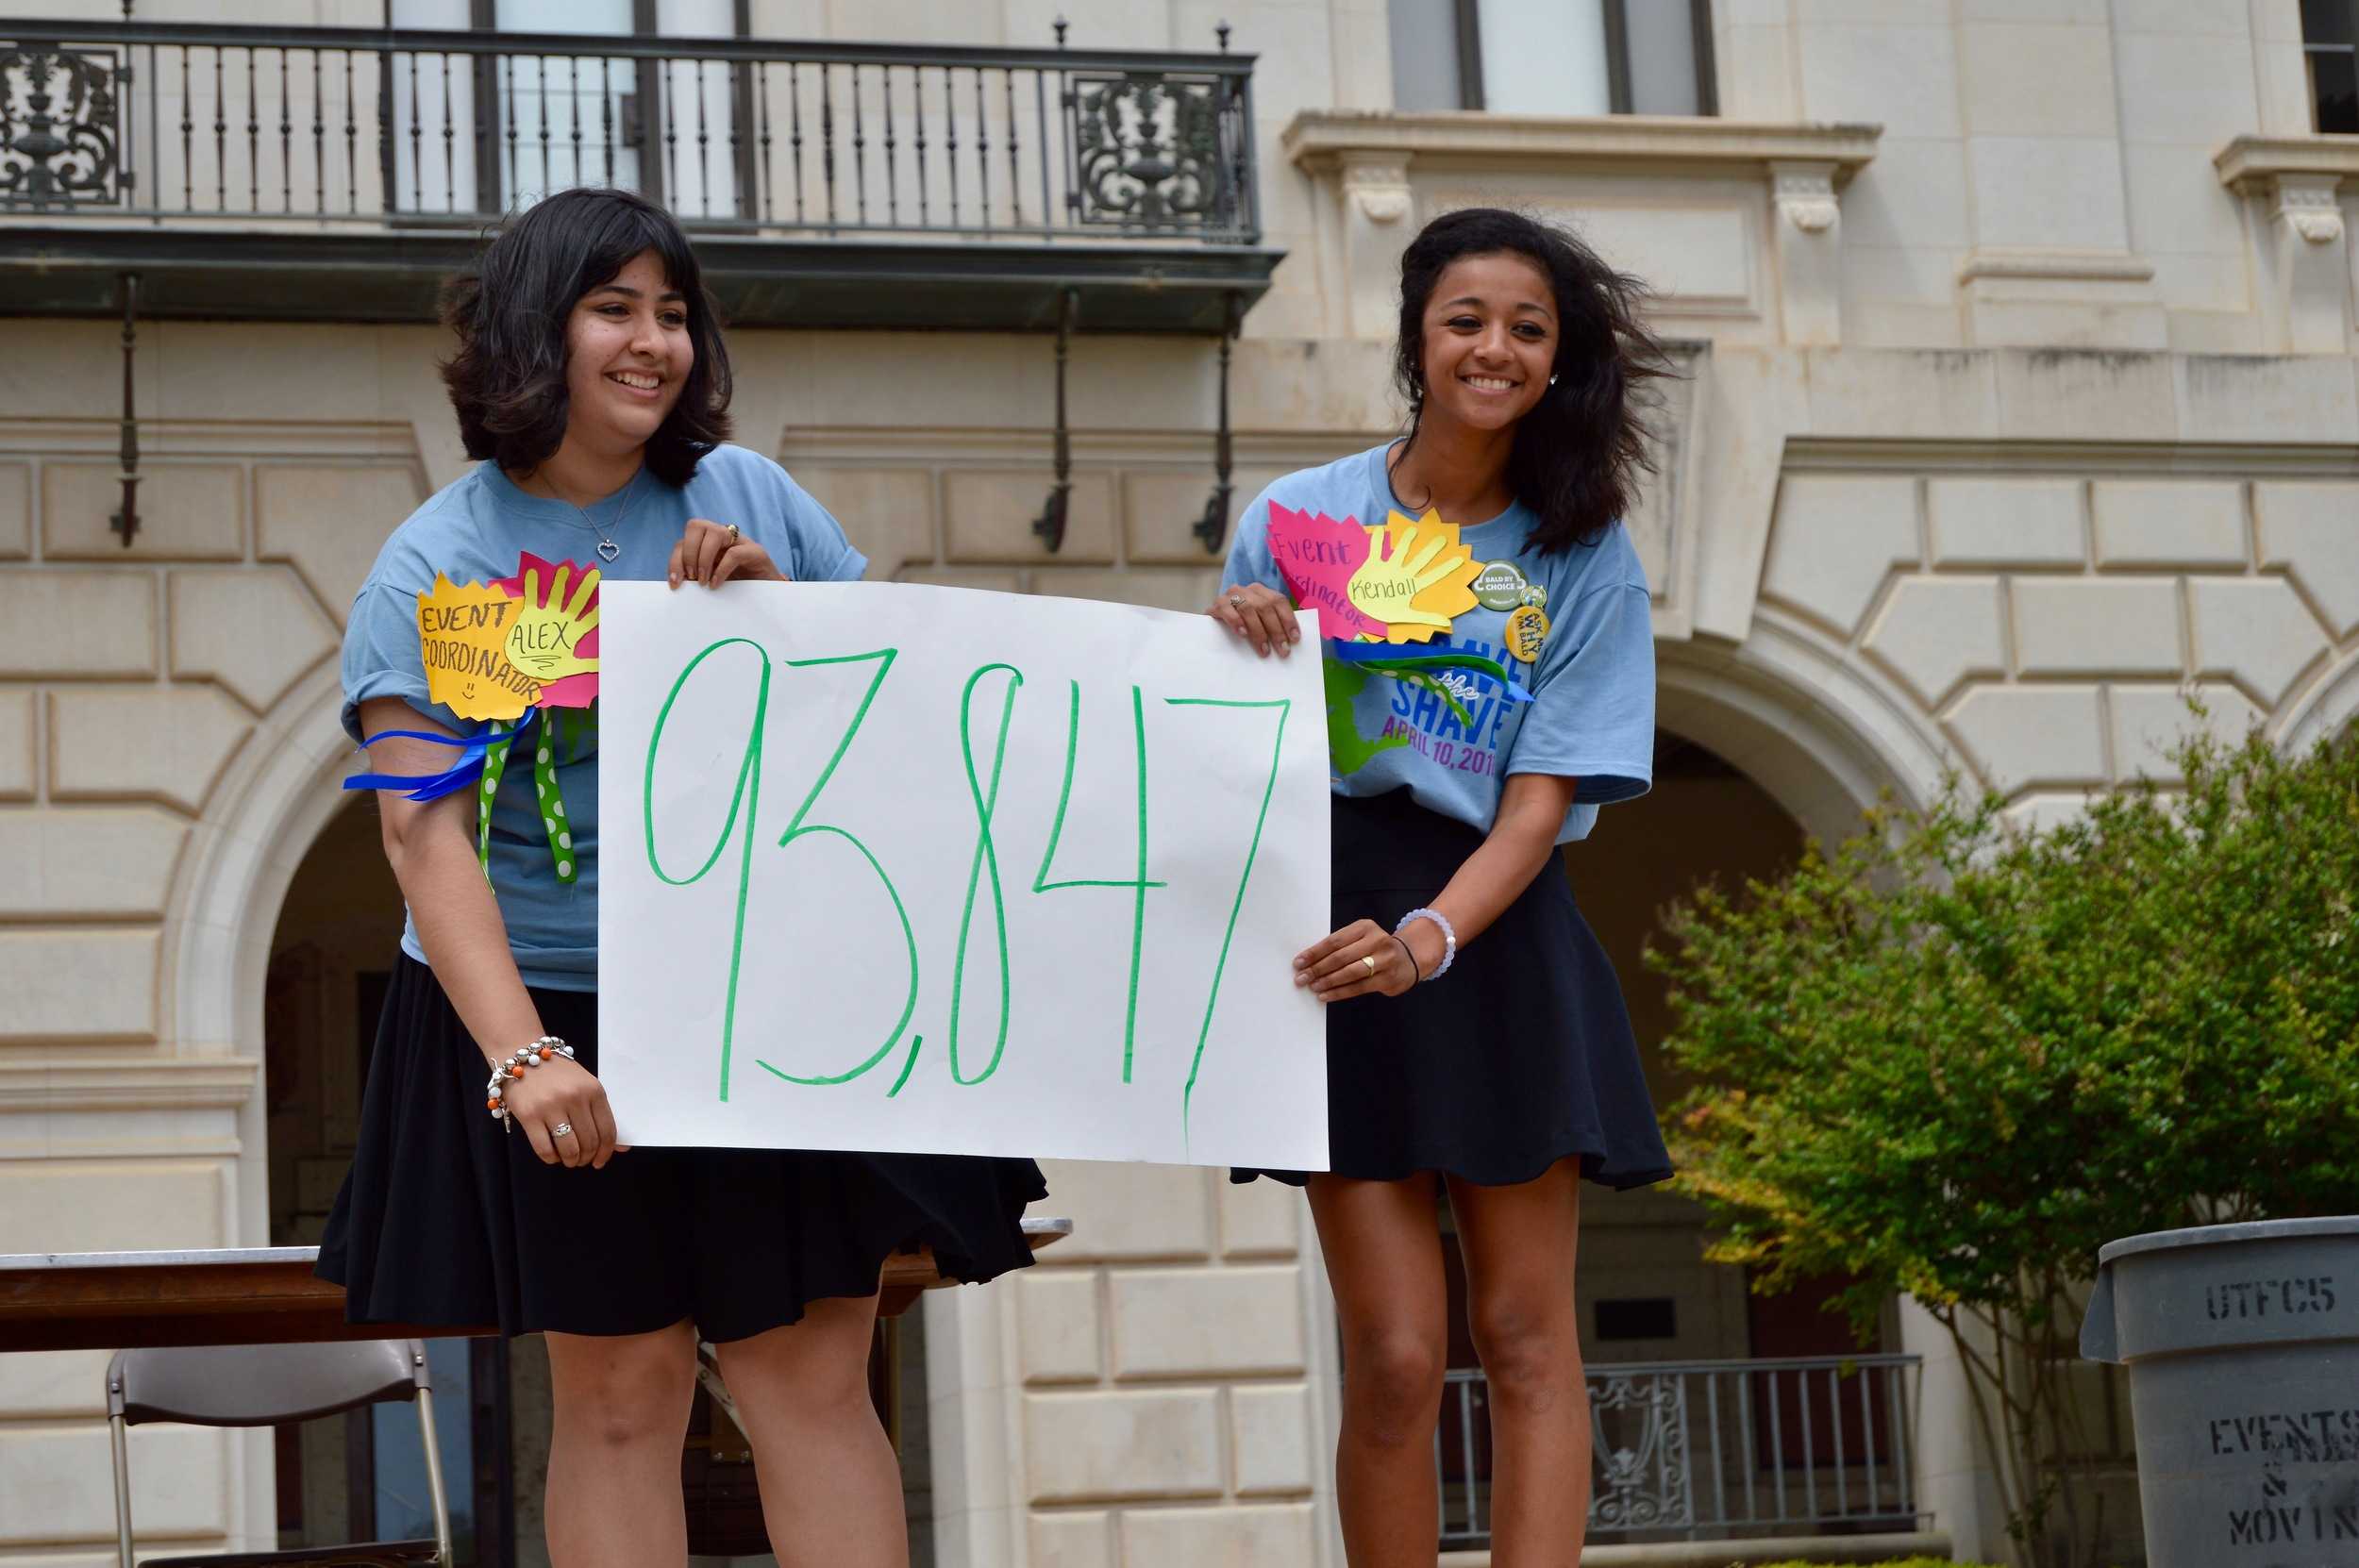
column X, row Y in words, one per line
column 1954, row 1061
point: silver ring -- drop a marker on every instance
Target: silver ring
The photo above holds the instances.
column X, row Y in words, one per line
column 562, row 1129
column 1235, row 602
column 1369, row 960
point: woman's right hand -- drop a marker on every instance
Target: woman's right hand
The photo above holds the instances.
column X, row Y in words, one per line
column 1261, row 615
column 561, row 1092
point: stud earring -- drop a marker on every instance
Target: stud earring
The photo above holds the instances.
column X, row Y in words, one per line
column 1552, row 380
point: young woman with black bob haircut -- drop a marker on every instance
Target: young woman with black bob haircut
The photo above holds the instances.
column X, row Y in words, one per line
column 1490, row 684
column 592, row 385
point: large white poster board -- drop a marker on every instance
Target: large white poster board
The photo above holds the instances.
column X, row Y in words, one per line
column 892, row 867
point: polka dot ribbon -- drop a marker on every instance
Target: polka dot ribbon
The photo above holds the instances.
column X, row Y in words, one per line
column 483, row 763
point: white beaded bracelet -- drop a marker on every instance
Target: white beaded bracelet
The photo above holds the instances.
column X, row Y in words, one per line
column 541, row 1050
column 1449, row 937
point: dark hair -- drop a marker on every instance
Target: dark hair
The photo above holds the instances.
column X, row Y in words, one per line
column 507, row 380
column 1577, row 455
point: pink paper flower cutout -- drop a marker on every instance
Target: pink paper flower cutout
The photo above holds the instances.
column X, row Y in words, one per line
column 1317, row 556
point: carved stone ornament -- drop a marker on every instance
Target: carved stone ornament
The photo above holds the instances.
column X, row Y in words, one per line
column 1379, row 190
column 1806, row 197
column 2311, row 211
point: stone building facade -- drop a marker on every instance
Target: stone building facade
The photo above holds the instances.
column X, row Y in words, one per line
column 2022, row 399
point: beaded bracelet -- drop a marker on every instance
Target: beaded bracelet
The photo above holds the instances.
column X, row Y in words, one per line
column 541, row 1050
column 1449, row 937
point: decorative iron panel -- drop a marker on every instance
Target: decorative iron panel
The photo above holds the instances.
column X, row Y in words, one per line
column 60, row 127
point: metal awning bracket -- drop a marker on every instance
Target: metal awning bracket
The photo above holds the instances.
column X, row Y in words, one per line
column 1051, row 523
column 1212, row 526
column 127, row 521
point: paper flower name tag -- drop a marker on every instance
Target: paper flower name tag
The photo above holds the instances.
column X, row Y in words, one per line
column 1405, row 581
column 493, row 650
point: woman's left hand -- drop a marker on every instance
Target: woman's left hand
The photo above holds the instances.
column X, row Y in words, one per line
column 712, row 553
column 1360, row 960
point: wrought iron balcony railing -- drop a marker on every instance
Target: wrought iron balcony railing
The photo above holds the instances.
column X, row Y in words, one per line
column 1717, row 1449
column 336, row 127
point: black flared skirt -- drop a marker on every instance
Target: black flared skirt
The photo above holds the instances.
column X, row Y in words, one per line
column 447, row 1217
column 1521, row 1056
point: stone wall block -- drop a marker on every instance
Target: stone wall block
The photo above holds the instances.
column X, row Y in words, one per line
column 1934, row 632
column 887, row 513
column 1108, row 1446
column 1218, row 1538
column 2077, row 626
column 254, row 630
column 990, row 580
column 102, row 863
column 2026, row 737
column 987, row 516
column 2147, row 721
column 60, row 1484
column 1259, row 1219
column 54, row 1383
column 80, row 987
column 188, row 511
column 141, row 743
column 1209, row 1323
column 2021, row 523
column 16, row 510
column 2254, row 631
column 1157, row 588
column 19, row 725
column 78, row 623
column 1835, row 540
column 2267, row 397
column 330, row 522
column 1059, row 1313
column 2310, row 529
column 1131, row 1212
column 2169, row 523
column 1269, row 1440
column 1162, row 506
column 1073, row 1539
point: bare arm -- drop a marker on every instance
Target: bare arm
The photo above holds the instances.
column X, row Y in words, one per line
column 431, row 848
column 1521, row 842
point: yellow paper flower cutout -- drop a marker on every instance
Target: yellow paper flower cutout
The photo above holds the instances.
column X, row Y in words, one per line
column 1417, row 579
column 462, row 632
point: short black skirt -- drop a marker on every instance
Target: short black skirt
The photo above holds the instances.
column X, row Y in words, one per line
column 448, row 1218
column 1521, row 1056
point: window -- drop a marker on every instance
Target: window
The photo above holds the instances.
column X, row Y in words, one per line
column 1554, row 57
column 2330, row 46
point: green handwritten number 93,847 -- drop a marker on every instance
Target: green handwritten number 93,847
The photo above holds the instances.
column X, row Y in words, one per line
column 982, row 789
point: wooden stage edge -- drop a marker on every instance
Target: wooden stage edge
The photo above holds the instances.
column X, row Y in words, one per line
column 263, row 1295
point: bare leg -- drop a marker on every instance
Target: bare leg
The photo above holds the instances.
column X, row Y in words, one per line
column 1519, row 1245
column 1383, row 1247
column 620, row 1415
column 830, row 1482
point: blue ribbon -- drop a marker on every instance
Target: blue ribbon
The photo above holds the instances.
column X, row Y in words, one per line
column 1388, row 658
column 434, row 786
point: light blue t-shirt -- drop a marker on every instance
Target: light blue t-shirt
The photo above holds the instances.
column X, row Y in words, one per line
column 1591, row 716
column 473, row 530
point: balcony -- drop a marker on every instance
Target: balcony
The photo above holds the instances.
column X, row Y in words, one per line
column 340, row 173
column 1736, row 1452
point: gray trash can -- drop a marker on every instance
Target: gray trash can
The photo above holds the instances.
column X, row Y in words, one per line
column 2242, row 1343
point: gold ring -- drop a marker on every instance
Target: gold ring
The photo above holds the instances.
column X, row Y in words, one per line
column 1370, row 960
column 733, row 534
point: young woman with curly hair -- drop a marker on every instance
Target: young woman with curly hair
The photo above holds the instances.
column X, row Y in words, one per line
column 592, row 385
column 1490, row 684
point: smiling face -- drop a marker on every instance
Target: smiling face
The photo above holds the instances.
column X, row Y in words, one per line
column 1489, row 340
column 628, row 354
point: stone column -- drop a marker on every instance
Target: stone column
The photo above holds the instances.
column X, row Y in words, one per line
column 1378, row 207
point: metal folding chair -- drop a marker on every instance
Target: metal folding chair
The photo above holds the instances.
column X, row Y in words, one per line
column 263, row 1385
